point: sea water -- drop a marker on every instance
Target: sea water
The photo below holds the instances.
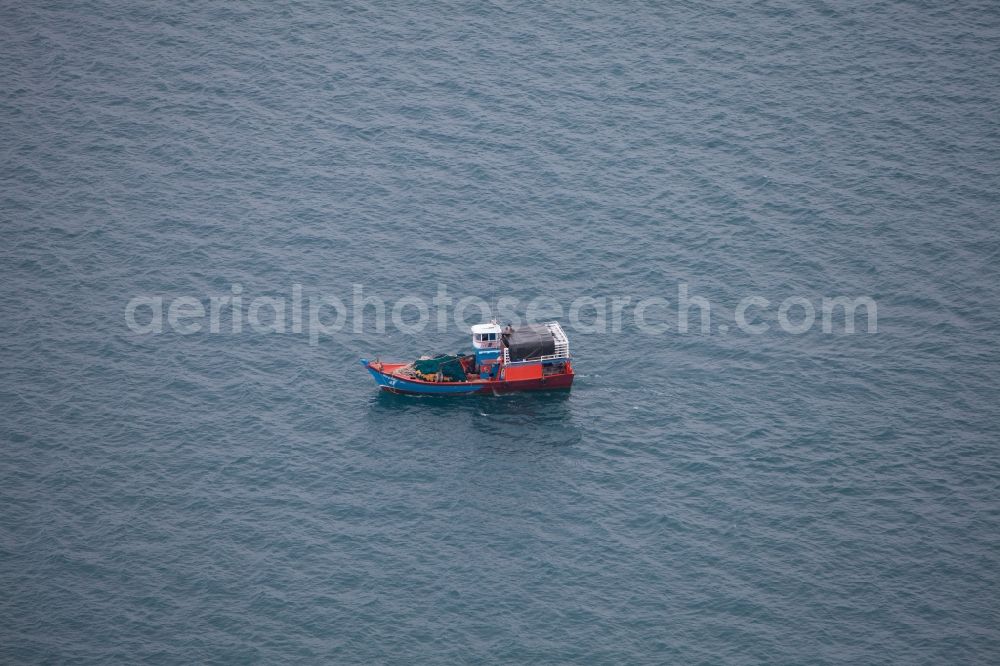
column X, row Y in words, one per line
column 714, row 496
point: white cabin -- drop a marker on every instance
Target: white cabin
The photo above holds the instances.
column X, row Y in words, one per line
column 486, row 336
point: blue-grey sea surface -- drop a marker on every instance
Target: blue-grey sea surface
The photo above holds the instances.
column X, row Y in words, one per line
column 712, row 497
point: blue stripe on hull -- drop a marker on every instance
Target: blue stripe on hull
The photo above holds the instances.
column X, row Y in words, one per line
column 390, row 383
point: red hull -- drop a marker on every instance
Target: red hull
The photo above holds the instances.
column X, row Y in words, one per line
column 550, row 383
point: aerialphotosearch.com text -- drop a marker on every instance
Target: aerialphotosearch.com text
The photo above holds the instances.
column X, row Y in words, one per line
column 319, row 315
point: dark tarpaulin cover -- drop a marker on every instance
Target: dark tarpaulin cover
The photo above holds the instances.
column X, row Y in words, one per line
column 530, row 342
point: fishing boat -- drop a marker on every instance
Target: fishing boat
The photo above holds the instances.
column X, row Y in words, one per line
column 504, row 360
